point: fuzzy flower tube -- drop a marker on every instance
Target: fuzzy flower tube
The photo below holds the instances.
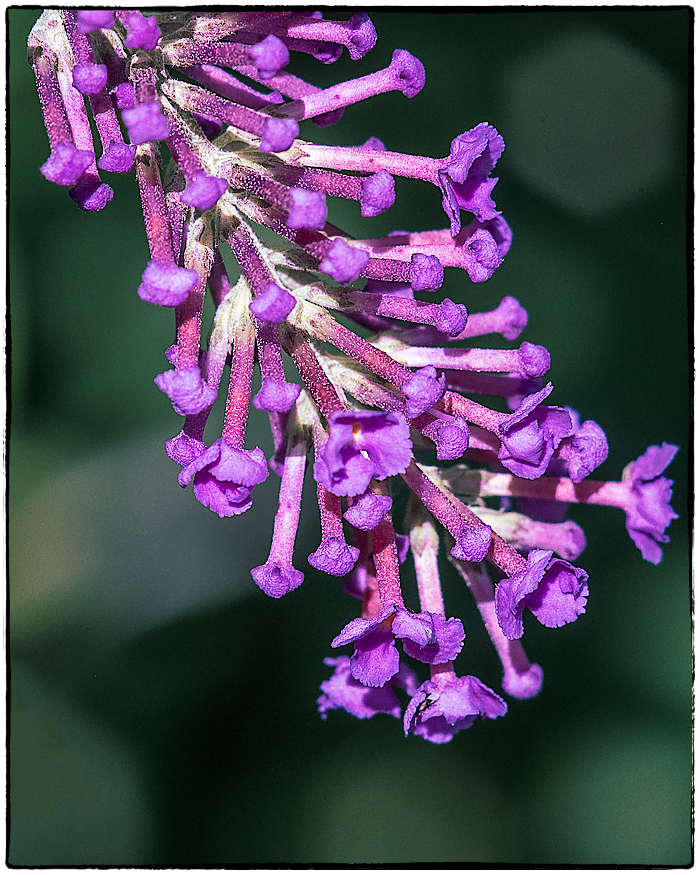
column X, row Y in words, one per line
column 383, row 407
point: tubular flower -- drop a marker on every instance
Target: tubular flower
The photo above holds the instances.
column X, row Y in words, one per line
column 204, row 107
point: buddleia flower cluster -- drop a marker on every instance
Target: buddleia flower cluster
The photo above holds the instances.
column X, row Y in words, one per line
column 204, row 108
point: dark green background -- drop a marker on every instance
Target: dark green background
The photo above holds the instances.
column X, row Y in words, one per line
column 163, row 709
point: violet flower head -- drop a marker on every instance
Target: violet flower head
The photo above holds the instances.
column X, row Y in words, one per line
column 224, row 477
column 423, row 390
column 203, row 191
column 465, row 177
column 362, row 445
column 166, row 284
column 142, row 31
column 145, row 122
column 186, row 389
column 359, row 368
column 443, row 706
column 307, row 209
column 554, row 590
column 343, row 262
column 94, row 19
column 649, row 511
column 531, row 435
column 427, row 637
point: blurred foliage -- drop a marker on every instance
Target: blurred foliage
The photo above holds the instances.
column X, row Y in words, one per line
column 163, row 710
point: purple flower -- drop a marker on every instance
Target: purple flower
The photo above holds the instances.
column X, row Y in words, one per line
column 187, row 390
column 203, row 191
column 649, row 510
column 363, row 444
column 343, row 262
column 377, row 193
column 451, row 437
column 276, row 579
column 117, row 158
column 276, row 395
column 269, row 56
column 166, row 284
column 343, row 691
column 554, row 590
column 89, row 78
column 427, row 274
column 94, row 19
column 423, row 390
column 141, row 32
column 91, row 194
column 66, row 164
column 123, row 95
column 184, row 448
column 448, row 638
column 465, row 176
column 224, row 477
column 473, row 543
column 145, row 122
column 531, row 434
column 589, row 448
column 274, row 305
column 278, row 134
column 307, row 209
column 335, row 556
column 368, row 510
column 445, row 705
column 427, row 637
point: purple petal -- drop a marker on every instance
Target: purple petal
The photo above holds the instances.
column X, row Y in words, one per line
column 89, row 78
column 377, row 193
column 307, row 209
column 451, row 437
column 89, row 19
column 368, row 510
column 278, row 134
column 473, row 543
column 203, row 191
column 277, row 580
column 184, row 449
column 589, row 449
column 274, row 305
column 117, row 158
column 427, row 273
column 269, row 56
column 343, row 262
column 187, row 390
column 334, row 556
column 145, row 122
column 142, row 32
column 449, row 638
column 342, row 690
column 423, row 390
column 91, row 194
column 166, row 284
column 276, row 395
column 362, row 444
column 66, row 164
column 376, row 659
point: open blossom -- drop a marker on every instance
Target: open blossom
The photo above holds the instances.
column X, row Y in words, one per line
column 649, row 510
column 362, row 445
column 552, row 589
column 427, row 637
column 370, row 379
column 443, row 706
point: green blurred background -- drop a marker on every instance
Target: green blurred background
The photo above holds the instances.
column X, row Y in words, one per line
column 163, row 709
